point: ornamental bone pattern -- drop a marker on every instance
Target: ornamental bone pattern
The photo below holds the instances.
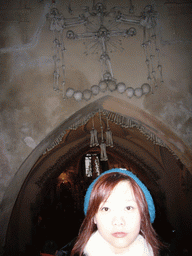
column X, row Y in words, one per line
column 94, row 141
column 102, row 26
column 125, row 122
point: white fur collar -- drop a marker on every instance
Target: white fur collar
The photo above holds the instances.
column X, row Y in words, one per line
column 97, row 246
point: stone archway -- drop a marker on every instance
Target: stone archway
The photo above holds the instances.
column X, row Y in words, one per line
column 158, row 132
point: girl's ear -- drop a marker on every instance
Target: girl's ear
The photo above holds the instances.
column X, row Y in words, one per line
column 94, row 219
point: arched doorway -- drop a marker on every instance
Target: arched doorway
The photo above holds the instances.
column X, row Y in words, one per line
column 136, row 147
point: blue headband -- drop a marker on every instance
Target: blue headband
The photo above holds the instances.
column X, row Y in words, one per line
column 146, row 192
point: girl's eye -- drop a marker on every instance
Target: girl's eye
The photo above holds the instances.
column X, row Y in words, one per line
column 105, row 209
column 129, row 208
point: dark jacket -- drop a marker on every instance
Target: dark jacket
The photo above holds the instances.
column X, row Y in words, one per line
column 66, row 250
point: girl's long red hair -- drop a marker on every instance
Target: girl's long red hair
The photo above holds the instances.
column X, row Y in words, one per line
column 100, row 192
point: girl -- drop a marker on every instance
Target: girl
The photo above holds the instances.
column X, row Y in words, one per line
column 119, row 211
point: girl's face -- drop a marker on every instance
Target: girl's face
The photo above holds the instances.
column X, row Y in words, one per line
column 118, row 218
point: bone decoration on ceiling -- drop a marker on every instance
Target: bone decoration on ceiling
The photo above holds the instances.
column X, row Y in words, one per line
column 101, row 27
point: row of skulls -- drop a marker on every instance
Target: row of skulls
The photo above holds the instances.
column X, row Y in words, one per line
column 108, row 85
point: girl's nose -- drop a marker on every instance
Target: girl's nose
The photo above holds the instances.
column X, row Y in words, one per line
column 118, row 221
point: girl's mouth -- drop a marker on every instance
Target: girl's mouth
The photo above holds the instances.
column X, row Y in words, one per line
column 119, row 234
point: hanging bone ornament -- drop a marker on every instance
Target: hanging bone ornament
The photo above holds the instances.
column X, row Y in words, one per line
column 94, row 141
column 103, row 153
column 109, row 139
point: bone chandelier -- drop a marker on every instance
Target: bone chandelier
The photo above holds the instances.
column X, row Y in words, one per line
column 102, row 27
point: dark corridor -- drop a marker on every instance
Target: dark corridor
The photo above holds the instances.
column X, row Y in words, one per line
column 50, row 203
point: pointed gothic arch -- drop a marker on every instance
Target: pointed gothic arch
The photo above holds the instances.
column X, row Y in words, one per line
column 53, row 148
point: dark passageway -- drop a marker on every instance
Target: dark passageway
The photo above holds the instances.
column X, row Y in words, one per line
column 50, row 202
